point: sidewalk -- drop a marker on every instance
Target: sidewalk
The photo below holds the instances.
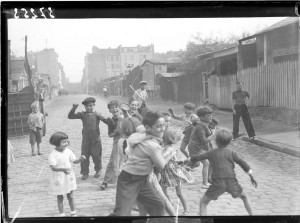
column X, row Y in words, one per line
column 270, row 134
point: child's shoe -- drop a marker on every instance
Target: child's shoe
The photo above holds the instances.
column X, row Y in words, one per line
column 84, row 177
column 186, row 213
column 73, row 214
column 103, row 186
column 97, row 174
column 205, row 186
column 61, row 215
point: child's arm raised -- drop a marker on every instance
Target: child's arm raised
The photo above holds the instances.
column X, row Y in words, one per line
column 175, row 116
column 193, row 159
column 72, row 114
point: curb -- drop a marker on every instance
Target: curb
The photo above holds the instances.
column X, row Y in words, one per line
column 293, row 151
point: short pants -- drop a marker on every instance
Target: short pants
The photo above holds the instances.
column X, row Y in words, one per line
column 220, row 186
column 35, row 136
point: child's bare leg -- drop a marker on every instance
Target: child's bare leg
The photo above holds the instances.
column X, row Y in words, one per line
column 32, row 149
column 165, row 191
column 60, row 203
column 203, row 205
column 182, row 149
column 38, row 148
column 205, row 171
column 71, row 201
column 247, row 203
column 209, row 174
column 181, row 197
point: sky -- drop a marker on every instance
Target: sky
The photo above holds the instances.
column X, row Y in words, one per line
column 72, row 39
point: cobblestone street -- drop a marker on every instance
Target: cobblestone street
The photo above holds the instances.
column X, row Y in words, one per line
column 277, row 174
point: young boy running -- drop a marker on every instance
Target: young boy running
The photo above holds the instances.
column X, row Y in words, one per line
column 187, row 118
column 91, row 141
column 223, row 176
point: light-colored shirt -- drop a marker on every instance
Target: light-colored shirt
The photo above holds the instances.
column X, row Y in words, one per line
column 140, row 95
column 36, row 120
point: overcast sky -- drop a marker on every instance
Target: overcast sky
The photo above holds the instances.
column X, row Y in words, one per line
column 72, row 39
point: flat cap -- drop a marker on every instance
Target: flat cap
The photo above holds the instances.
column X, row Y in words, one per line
column 89, row 99
column 143, row 82
column 124, row 107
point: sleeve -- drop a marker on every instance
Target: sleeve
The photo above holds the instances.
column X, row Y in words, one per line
column 72, row 156
column 247, row 94
column 200, row 157
column 181, row 117
column 51, row 159
column 201, row 135
column 72, row 114
column 168, row 153
column 110, row 126
column 245, row 166
column 157, row 158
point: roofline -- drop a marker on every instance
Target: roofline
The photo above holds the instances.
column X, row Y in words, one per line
column 157, row 63
column 218, row 51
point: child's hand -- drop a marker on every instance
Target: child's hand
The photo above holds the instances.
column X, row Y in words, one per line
column 75, row 106
column 253, row 181
column 67, row 171
column 171, row 111
column 188, row 162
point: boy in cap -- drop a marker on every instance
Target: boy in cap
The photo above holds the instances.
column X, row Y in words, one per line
column 141, row 95
column 91, row 141
column 239, row 107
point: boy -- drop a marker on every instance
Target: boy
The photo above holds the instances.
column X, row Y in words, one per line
column 91, row 141
column 113, row 166
column 224, row 179
column 144, row 154
column 187, row 121
column 167, row 118
column 141, row 95
column 36, row 123
column 240, row 100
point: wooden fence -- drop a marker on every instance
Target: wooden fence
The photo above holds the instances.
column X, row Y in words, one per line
column 275, row 85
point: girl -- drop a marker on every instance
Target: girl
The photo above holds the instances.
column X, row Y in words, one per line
column 174, row 175
column 62, row 179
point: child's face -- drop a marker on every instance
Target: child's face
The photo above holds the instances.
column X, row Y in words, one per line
column 187, row 111
column 35, row 109
column 206, row 118
column 89, row 107
column 167, row 121
column 194, row 118
column 133, row 106
column 114, row 110
column 157, row 129
column 239, row 86
column 63, row 144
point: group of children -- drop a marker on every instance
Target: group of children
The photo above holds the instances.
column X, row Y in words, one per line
column 143, row 160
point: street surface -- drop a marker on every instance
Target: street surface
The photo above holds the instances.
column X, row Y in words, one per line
column 277, row 174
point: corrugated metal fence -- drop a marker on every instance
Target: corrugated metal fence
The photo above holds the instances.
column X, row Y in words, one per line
column 275, row 85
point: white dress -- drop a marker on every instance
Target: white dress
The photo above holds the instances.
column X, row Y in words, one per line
column 60, row 183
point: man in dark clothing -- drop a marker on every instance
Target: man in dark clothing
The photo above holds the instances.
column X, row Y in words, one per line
column 91, row 141
column 239, row 108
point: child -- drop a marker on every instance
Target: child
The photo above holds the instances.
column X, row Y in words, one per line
column 91, row 141
column 62, row 179
column 36, row 123
column 200, row 140
column 239, row 107
column 224, row 179
column 133, row 183
column 187, row 130
column 113, row 166
column 133, row 109
column 212, row 126
column 173, row 175
column 167, row 117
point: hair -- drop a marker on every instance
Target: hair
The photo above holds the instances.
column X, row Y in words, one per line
column 128, row 125
column 239, row 82
column 203, row 110
column 115, row 103
column 131, row 100
column 57, row 137
column 170, row 137
column 34, row 105
column 151, row 118
column 214, row 121
column 223, row 137
column 189, row 106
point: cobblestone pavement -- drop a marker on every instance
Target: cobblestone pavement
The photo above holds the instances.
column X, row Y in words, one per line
column 277, row 174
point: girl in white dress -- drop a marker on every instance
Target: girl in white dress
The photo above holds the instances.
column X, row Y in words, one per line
column 62, row 181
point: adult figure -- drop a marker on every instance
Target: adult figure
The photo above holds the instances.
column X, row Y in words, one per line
column 240, row 100
column 141, row 95
column 105, row 92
